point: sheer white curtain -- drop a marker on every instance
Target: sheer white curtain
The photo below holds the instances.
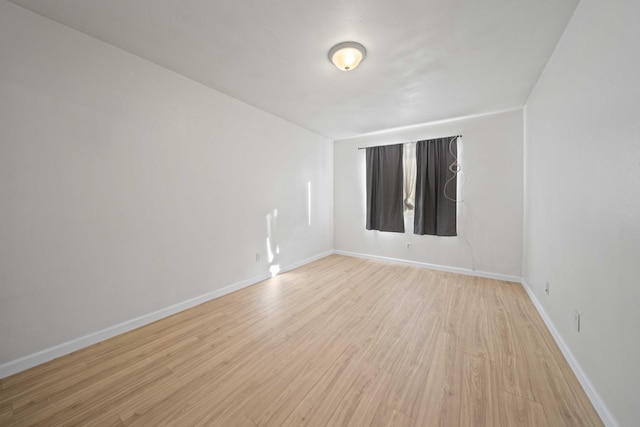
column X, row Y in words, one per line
column 409, row 166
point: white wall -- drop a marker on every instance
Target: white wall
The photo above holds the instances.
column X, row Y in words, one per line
column 125, row 188
column 582, row 204
column 490, row 219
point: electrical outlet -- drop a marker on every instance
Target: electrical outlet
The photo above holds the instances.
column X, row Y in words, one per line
column 576, row 320
column 546, row 288
column 257, row 257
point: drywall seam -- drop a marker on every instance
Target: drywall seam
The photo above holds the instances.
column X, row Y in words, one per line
column 465, row 271
column 594, row 397
column 59, row 350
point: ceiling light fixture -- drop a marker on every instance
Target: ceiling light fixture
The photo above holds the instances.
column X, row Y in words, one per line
column 347, row 55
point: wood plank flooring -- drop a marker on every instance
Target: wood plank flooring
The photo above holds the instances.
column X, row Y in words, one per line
column 341, row 341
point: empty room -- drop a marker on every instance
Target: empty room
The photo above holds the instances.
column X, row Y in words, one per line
column 330, row 213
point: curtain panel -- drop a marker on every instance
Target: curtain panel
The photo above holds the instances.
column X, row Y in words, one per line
column 409, row 163
column 385, row 207
column 435, row 210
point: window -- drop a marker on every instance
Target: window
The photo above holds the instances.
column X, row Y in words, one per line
column 417, row 178
column 414, row 178
column 409, row 174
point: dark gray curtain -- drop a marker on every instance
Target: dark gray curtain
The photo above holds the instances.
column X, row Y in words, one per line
column 435, row 213
column 385, row 211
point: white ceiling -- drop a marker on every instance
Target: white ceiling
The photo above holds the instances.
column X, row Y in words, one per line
column 426, row 59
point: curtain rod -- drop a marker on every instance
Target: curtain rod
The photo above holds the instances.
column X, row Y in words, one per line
column 384, row 145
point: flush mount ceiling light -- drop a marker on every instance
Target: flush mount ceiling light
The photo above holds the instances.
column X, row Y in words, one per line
column 347, row 55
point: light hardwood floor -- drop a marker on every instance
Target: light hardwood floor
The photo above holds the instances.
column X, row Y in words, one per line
column 341, row 341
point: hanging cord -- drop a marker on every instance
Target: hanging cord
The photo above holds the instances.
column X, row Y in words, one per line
column 454, row 168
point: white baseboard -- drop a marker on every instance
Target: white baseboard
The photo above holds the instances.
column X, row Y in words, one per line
column 594, row 397
column 306, row 261
column 465, row 271
column 54, row 352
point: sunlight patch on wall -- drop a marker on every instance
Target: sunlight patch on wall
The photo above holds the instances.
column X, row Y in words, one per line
column 273, row 249
column 309, row 202
column 274, row 269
